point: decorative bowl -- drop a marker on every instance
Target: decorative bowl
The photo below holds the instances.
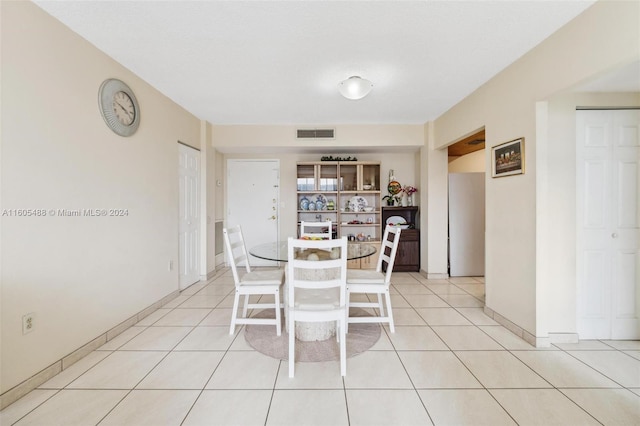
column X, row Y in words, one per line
column 367, row 187
column 368, row 209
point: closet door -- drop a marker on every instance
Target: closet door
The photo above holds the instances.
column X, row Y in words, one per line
column 608, row 218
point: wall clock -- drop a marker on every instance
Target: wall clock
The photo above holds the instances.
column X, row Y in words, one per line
column 119, row 107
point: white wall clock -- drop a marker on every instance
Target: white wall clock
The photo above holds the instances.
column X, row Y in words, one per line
column 119, row 107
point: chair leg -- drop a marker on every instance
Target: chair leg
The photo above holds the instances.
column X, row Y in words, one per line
column 234, row 313
column 343, row 347
column 346, row 324
column 381, row 305
column 389, row 312
column 292, row 342
column 246, row 306
column 277, row 307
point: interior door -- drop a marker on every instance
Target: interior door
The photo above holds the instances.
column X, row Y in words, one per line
column 608, row 233
column 466, row 224
column 189, row 219
column 253, row 201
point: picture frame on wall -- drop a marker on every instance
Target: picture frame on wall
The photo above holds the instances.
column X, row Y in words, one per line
column 508, row 158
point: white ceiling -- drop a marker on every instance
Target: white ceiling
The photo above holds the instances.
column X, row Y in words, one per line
column 279, row 62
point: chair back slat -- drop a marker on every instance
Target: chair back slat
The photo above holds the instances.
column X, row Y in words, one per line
column 323, row 274
column 388, row 250
column 316, row 229
column 236, row 251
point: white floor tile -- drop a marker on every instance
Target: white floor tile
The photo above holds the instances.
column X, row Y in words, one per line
column 473, row 407
column 444, row 370
column 466, row 338
column 623, row 344
column 24, row 405
column 462, row 301
column 154, row 316
column 245, row 370
column 309, row 407
column 509, row 340
column 376, row 370
column 176, row 302
column 210, row 301
column 218, row 316
column 409, row 338
column 616, row 365
column 68, row 375
column 584, row 345
column 426, row 301
column 152, row 408
column 442, row 289
column 120, row 370
column 386, row 407
column 310, row 375
column 634, row 354
column 182, row 370
column 500, row 369
column 477, row 316
column 183, row 317
column 462, row 280
column 544, row 407
column 230, row 407
column 217, row 288
column 609, row 406
column 563, row 370
column 405, row 289
column 442, row 316
column 74, row 407
column 122, row 338
column 157, row 339
column 407, row 316
column 208, row 339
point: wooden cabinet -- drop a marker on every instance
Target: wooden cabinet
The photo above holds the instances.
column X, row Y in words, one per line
column 345, row 192
column 408, row 254
column 348, row 194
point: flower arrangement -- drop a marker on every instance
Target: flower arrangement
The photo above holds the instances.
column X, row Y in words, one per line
column 409, row 190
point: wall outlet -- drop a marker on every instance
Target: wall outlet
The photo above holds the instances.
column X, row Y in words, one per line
column 28, row 323
column 171, row 265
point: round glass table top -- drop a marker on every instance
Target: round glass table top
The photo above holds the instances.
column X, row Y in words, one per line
column 278, row 251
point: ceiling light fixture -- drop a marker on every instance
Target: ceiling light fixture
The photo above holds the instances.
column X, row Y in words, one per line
column 355, row 87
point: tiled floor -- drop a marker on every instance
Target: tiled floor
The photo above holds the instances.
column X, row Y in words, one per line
column 447, row 364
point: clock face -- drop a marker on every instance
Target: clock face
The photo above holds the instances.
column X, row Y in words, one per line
column 119, row 107
column 123, row 108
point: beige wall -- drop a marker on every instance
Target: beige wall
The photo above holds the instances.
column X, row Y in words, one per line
column 604, row 37
column 81, row 276
column 473, row 162
column 403, row 165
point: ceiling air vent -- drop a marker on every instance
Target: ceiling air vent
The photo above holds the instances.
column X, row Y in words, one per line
column 315, row 134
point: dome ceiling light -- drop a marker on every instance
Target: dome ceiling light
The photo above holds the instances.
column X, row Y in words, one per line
column 355, row 87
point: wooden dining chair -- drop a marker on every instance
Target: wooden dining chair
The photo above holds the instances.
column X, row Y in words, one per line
column 323, row 229
column 256, row 282
column 375, row 281
column 317, row 291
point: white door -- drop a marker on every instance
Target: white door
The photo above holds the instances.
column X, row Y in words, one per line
column 189, row 226
column 253, row 200
column 466, row 224
column 608, row 218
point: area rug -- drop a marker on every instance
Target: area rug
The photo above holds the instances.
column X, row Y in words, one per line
column 263, row 338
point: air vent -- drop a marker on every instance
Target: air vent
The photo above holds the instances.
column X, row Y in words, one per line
column 316, row 134
column 475, row 142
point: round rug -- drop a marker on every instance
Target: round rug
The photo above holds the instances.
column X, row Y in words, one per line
column 263, row 338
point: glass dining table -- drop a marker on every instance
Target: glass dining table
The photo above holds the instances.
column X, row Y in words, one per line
column 278, row 251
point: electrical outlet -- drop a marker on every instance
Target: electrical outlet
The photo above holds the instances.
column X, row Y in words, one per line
column 28, row 322
column 171, row 265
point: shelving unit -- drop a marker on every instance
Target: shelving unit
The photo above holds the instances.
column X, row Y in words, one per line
column 346, row 184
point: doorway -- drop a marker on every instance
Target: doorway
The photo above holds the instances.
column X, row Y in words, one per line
column 189, row 215
column 253, row 199
column 608, row 218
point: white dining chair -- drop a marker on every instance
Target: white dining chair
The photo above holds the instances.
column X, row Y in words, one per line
column 317, row 290
column 316, row 229
column 375, row 281
column 256, row 282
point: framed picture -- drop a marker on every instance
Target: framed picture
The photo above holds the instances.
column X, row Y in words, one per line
column 508, row 158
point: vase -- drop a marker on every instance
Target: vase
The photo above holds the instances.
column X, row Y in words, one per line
column 410, row 200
